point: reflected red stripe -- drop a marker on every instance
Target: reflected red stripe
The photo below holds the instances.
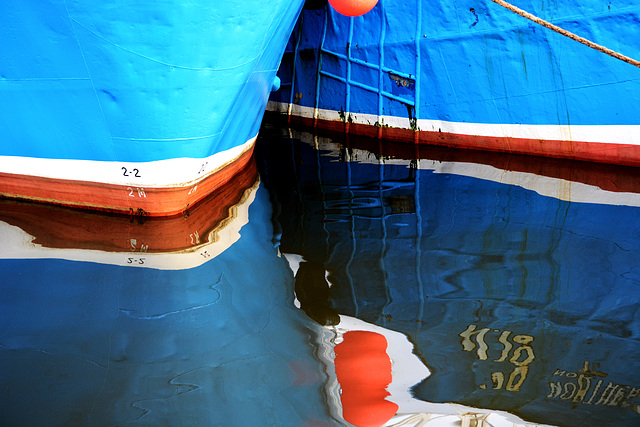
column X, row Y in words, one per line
column 63, row 227
column 610, row 177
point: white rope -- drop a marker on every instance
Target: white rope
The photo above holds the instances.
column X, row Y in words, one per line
column 567, row 33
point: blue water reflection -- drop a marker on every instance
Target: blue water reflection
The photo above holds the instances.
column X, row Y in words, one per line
column 517, row 279
column 436, row 287
column 117, row 342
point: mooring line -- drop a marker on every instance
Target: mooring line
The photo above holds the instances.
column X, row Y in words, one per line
column 566, row 33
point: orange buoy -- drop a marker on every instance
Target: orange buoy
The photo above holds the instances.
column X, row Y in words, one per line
column 353, row 7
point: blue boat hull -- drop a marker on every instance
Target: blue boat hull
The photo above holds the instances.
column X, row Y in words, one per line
column 112, row 92
column 473, row 75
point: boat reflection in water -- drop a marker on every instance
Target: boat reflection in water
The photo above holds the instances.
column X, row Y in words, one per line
column 186, row 321
column 472, row 287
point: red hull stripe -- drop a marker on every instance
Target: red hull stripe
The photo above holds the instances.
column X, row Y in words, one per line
column 143, row 201
column 65, row 228
column 600, row 152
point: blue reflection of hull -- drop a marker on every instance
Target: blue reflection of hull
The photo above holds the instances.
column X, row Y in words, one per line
column 516, row 301
column 97, row 344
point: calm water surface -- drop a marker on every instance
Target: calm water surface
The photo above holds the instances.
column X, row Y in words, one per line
column 334, row 282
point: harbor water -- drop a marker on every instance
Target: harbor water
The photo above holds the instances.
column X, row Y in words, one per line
column 335, row 281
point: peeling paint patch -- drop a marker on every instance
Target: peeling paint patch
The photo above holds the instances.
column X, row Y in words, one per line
column 472, row 10
column 402, row 81
column 413, row 120
column 139, row 213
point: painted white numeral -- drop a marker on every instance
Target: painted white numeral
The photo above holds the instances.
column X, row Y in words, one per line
column 134, row 246
column 140, row 191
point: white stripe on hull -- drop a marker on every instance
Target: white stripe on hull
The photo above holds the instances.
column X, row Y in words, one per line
column 606, row 134
column 179, row 172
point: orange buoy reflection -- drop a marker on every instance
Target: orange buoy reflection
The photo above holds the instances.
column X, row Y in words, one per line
column 363, row 369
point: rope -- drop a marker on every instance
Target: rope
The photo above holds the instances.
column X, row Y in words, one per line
column 567, row 33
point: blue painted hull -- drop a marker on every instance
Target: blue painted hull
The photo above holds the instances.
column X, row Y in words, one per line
column 86, row 84
column 473, row 75
column 134, row 81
